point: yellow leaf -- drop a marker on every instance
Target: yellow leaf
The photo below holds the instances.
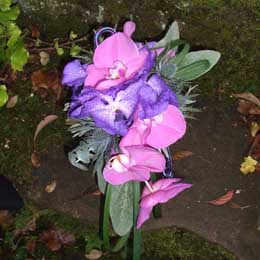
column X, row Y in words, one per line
column 248, row 166
column 254, row 128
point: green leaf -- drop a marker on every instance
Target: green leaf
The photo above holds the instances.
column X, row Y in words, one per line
column 180, row 56
column 211, row 56
column 19, row 57
column 9, row 15
column 98, row 168
column 73, row 35
column 168, row 70
column 14, row 32
column 137, row 236
column 192, row 71
column 59, row 50
column 5, row 5
column 3, row 95
column 105, row 228
column 168, row 47
column 75, row 50
column 120, row 243
column 172, row 34
column 121, row 208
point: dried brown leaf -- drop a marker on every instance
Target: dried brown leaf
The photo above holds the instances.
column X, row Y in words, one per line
column 35, row 160
column 97, row 192
column 51, row 187
column 249, row 97
column 5, row 218
column 43, row 81
column 66, row 238
column 35, row 31
column 223, row 199
column 51, row 239
column 47, row 120
column 54, row 239
column 30, row 246
column 246, row 108
column 234, row 205
column 181, row 154
column 94, row 254
column 12, row 101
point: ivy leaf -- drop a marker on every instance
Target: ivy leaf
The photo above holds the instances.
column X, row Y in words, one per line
column 9, row 15
column 3, row 95
column 15, row 35
column 121, row 208
column 171, row 35
column 5, row 5
column 19, row 57
column 75, row 50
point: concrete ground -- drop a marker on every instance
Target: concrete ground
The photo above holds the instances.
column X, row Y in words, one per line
column 218, row 141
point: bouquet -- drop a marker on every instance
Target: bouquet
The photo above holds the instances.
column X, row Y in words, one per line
column 129, row 103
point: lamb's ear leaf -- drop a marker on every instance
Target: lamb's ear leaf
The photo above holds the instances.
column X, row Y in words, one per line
column 171, row 35
column 199, row 59
column 121, row 208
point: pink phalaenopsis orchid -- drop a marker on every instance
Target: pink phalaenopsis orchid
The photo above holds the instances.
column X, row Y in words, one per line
column 159, row 131
column 159, row 192
column 134, row 164
column 116, row 60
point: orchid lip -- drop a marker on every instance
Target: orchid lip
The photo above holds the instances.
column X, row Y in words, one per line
column 119, row 163
column 118, row 71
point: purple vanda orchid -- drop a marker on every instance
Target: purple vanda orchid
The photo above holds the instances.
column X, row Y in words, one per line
column 74, row 74
column 159, row 132
column 158, row 192
column 116, row 59
column 155, row 96
column 112, row 110
column 134, row 164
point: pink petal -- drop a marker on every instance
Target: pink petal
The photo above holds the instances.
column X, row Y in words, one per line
column 129, row 28
column 136, row 64
column 152, row 199
column 164, row 183
column 146, row 190
column 174, row 191
column 170, row 53
column 135, row 136
column 95, row 75
column 159, row 185
column 169, row 131
column 118, row 47
column 107, row 83
column 147, row 157
column 117, row 178
column 144, row 214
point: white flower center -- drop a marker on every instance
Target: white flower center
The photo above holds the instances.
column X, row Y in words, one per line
column 119, row 163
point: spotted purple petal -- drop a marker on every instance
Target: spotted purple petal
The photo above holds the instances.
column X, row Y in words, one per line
column 155, row 96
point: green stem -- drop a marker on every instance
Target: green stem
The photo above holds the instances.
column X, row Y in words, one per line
column 106, row 217
column 120, row 243
column 137, row 232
